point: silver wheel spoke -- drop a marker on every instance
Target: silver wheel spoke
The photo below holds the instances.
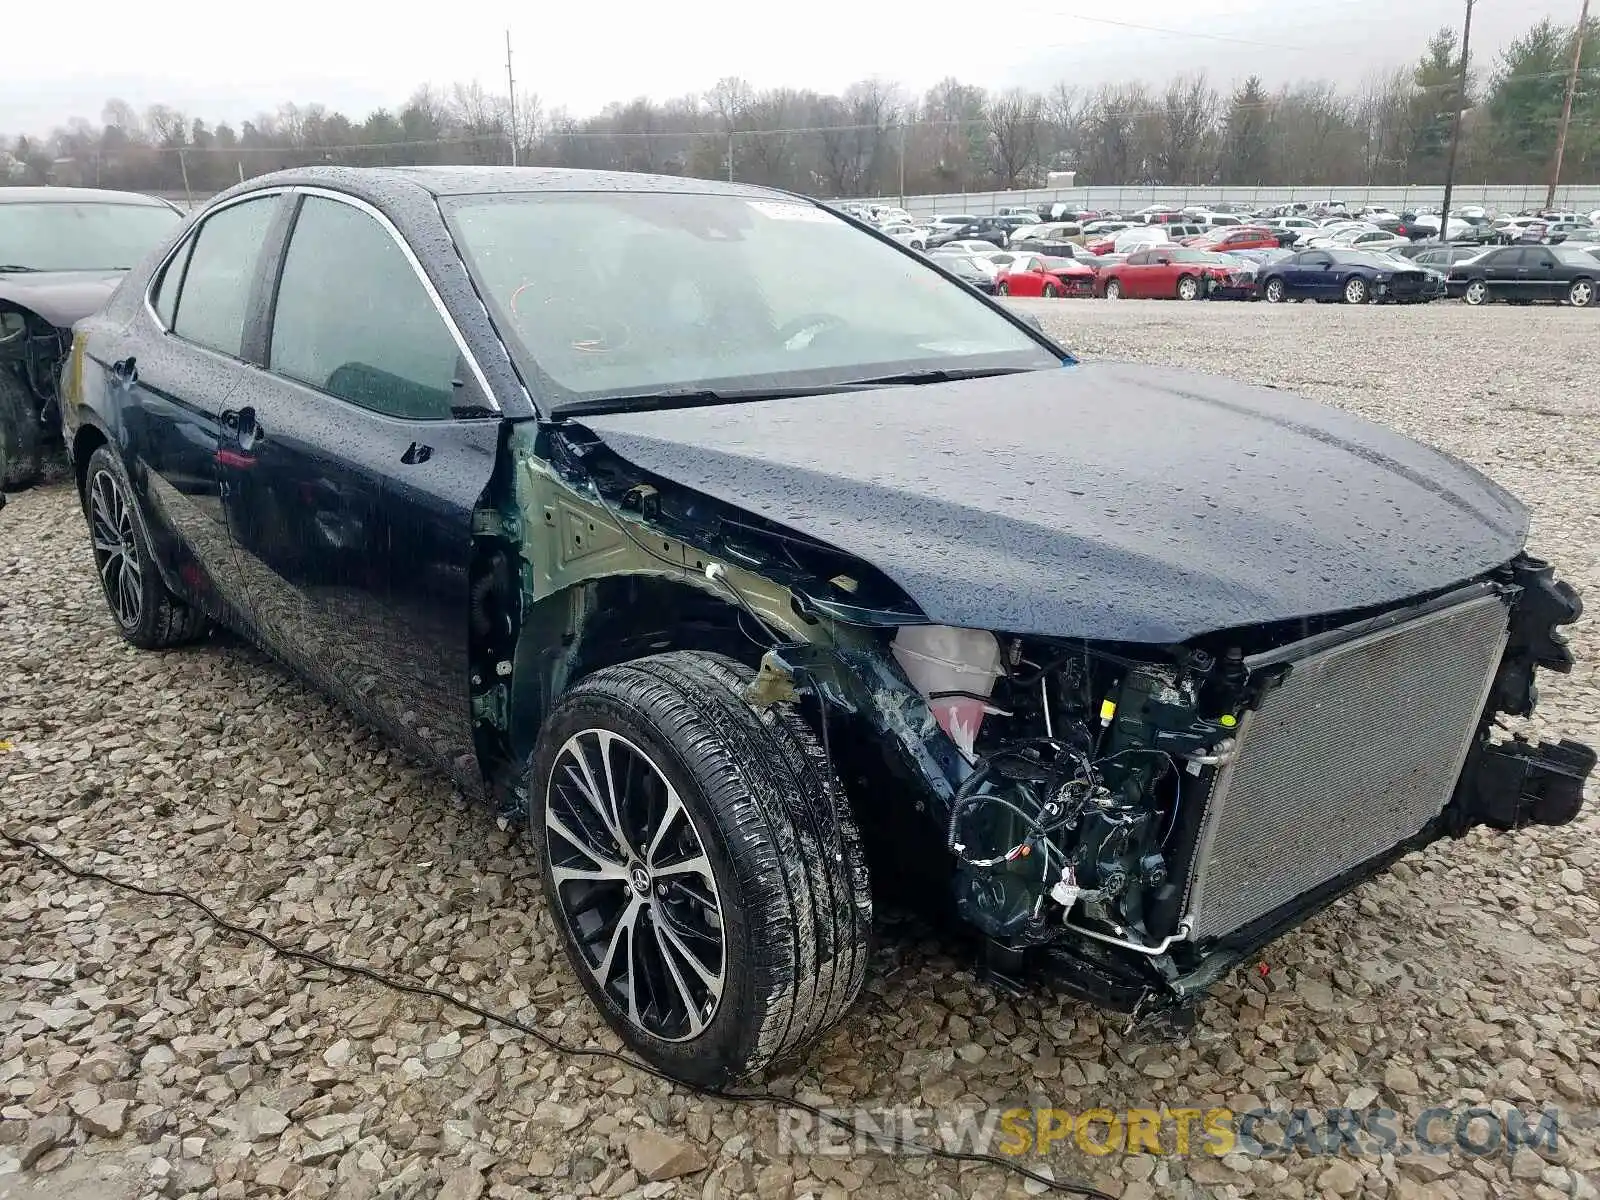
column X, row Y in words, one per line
column 625, row 924
column 605, row 806
column 674, row 808
column 696, row 1022
column 698, row 865
column 712, row 979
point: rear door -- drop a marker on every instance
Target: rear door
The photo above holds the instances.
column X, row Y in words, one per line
column 175, row 367
column 1538, row 278
column 360, row 458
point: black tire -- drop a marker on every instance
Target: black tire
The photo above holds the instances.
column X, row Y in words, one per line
column 1275, row 292
column 21, row 435
column 146, row 614
column 1002, row 288
column 1476, row 293
column 788, row 873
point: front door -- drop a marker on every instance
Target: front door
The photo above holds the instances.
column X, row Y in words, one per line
column 359, row 471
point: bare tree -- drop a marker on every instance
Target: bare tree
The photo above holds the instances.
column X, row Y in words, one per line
column 1187, row 148
column 1015, row 118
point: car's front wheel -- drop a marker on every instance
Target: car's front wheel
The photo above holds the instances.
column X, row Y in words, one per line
column 1477, row 292
column 1051, row 291
column 1275, row 291
column 1188, row 288
column 1113, row 289
column 1356, row 291
column 146, row 612
column 701, row 863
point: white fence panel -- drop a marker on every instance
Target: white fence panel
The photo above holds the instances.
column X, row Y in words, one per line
column 1505, row 198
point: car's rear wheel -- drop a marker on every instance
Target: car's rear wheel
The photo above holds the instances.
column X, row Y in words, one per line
column 1356, row 290
column 1275, row 291
column 1581, row 293
column 21, row 435
column 1113, row 289
column 146, row 613
column 701, row 864
column 1188, row 288
column 1477, row 292
column 1051, row 291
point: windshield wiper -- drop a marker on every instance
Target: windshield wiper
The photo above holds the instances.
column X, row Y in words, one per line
column 690, row 397
column 684, row 398
column 18, row 269
column 934, row 375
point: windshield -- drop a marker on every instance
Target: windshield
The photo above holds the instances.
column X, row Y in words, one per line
column 81, row 235
column 610, row 294
column 1201, row 256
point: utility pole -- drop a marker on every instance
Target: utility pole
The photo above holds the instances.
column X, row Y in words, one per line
column 1566, row 107
column 1455, row 131
column 903, row 156
column 511, row 93
column 730, row 156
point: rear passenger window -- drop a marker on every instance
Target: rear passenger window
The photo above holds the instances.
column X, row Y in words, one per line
column 165, row 297
column 215, row 295
column 353, row 320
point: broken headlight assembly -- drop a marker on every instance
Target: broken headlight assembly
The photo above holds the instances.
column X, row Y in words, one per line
column 1078, row 761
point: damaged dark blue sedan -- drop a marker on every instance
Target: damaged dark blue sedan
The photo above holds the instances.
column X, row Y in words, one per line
column 754, row 562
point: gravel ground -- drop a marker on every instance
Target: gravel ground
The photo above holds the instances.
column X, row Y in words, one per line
column 142, row 1052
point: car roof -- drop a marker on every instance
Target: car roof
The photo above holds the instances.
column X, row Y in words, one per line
column 466, row 181
column 75, row 195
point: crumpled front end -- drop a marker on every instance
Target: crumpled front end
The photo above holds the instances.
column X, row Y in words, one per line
column 1128, row 817
column 1135, row 820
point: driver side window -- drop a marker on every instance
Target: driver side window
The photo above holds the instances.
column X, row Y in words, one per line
column 353, row 320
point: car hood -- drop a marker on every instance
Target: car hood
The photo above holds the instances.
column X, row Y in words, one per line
column 1100, row 500
column 60, row 297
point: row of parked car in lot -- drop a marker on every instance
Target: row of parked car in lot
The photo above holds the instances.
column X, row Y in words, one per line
column 1276, row 255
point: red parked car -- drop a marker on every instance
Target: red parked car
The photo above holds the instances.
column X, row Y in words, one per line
column 1170, row 272
column 1237, row 237
column 1037, row 275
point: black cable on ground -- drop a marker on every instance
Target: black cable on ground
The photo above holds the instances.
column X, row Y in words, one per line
column 544, row 1039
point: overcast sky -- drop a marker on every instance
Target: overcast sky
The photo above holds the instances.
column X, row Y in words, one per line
column 209, row 61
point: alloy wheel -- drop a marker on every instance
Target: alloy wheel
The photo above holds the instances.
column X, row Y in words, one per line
column 1581, row 294
column 116, row 554
column 634, row 885
column 1355, row 292
column 1275, row 291
column 1113, row 290
column 1188, row 288
column 1477, row 292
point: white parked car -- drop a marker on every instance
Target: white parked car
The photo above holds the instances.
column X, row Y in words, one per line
column 907, row 235
column 1129, row 240
column 965, row 247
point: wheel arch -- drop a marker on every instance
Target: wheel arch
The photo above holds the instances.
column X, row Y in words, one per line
column 603, row 621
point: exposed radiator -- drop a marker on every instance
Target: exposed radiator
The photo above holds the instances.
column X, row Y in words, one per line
column 1357, row 750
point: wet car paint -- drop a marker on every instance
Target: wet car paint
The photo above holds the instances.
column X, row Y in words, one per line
column 1107, row 501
